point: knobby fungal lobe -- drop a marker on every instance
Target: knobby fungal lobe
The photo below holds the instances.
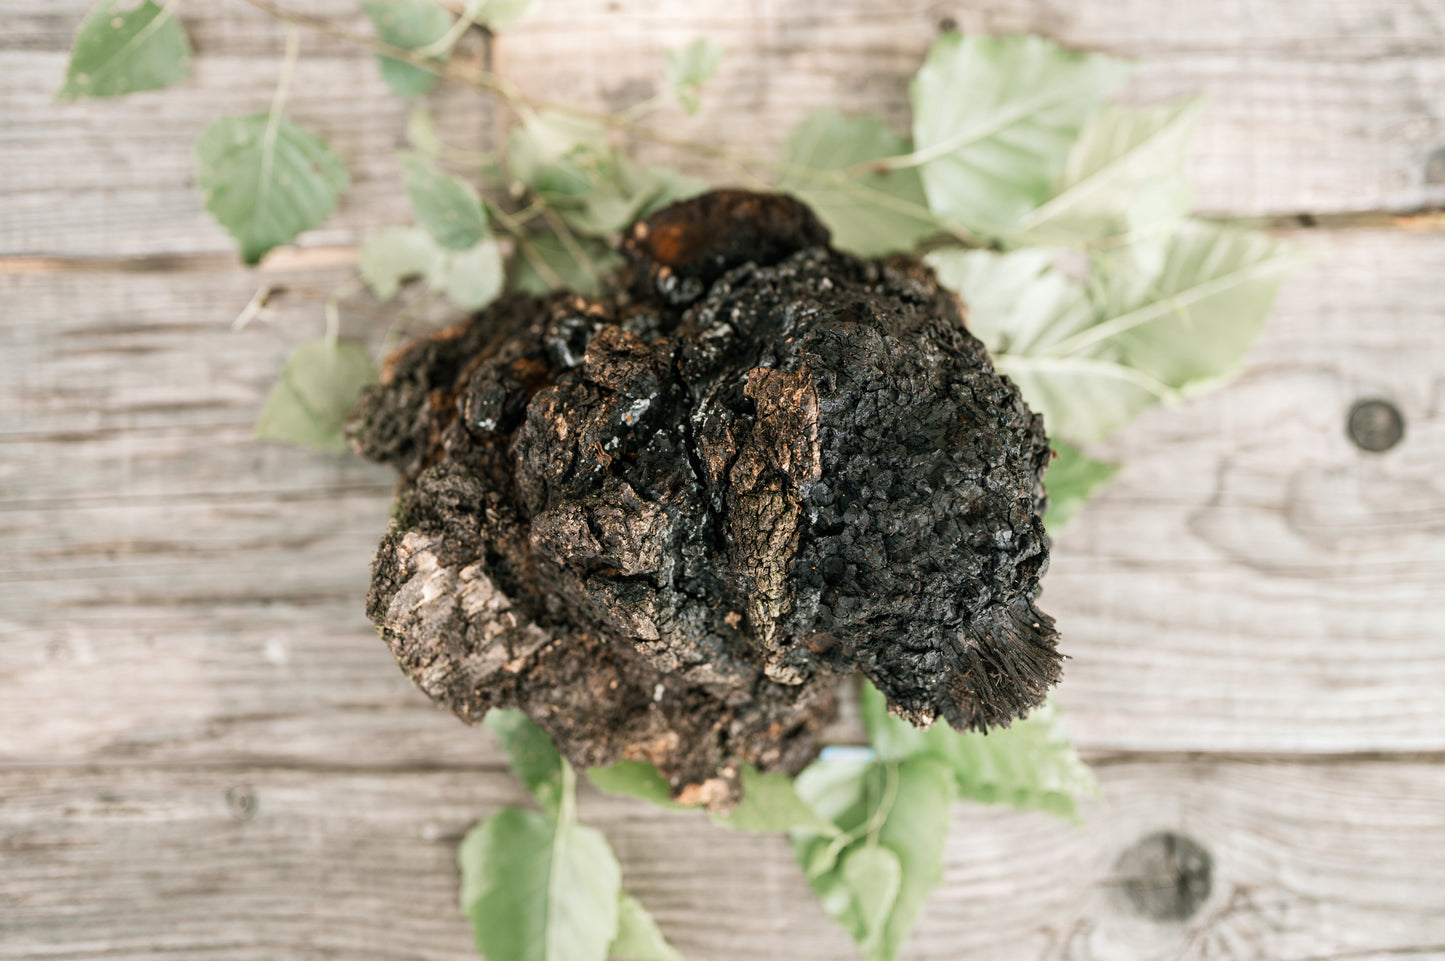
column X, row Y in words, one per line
column 664, row 522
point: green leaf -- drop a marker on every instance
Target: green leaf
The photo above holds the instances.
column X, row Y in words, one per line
column 266, row 180
column 421, row 133
column 500, row 15
column 1092, row 360
column 691, row 67
column 119, row 51
column 582, row 275
column 546, row 136
column 595, row 188
column 993, row 121
column 1073, row 477
column 771, row 805
column 638, row 937
column 392, row 255
column 1125, row 173
column 539, row 890
column 1017, row 303
column 624, row 192
column 447, row 206
column 535, row 761
column 474, row 277
column 871, row 214
column 902, row 806
column 318, row 387
column 1190, row 324
column 873, row 876
column 410, row 24
column 634, row 779
column 470, row 278
column 1029, row 764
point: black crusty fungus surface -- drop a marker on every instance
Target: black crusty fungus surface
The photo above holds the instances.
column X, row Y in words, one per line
column 665, row 521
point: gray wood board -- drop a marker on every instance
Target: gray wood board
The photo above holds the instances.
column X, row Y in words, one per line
column 205, row 752
column 1305, row 861
column 174, row 588
column 1313, row 107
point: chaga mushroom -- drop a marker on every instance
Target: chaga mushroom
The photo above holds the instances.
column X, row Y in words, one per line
column 665, row 521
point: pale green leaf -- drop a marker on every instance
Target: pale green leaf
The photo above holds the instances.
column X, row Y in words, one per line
column 553, row 134
column 623, row 193
column 119, row 51
column 474, row 277
column 393, row 255
column 409, row 24
column 691, row 67
column 1091, row 360
column 770, row 805
column 993, row 121
column 500, row 15
column 318, row 387
column 1125, row 173
column 1073, row 477
column 539, row 890
column 871, row 213
column 470, row 278
column 266, row 180
column 634, row 779
column 1029, row 764
column 446, row 206
column 660, row 186
column 1021, row 306
column 421, row 133
column 582, row 273
column 1017, row 303
column 638, row 936
column 1190, row 324
column 873, row 876
column 534, row 759
column 902, row 806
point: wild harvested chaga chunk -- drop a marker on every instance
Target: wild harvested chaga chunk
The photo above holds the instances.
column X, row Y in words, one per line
column 666, row 521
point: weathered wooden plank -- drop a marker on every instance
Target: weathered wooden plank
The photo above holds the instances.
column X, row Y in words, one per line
column 1250, row 552
column 1314, row 108
column 117, row 177
column 1306, row 861
column 1342, row 30
column 1252, row 582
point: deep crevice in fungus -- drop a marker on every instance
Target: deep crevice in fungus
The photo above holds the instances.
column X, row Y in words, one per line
column 665, row 521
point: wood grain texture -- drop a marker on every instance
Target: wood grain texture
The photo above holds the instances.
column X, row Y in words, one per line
column 1308, row 861
column 1250, row 562
column 1313, row 107
column 205, row 753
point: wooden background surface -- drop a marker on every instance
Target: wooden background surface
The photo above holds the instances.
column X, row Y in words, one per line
column 206, row 754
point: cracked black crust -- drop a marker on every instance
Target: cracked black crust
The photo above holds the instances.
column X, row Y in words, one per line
column 664, row 521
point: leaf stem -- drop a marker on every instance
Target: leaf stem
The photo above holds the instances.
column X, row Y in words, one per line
column 538, row 262
column 571, row 243
column 513, row 97
column 442, row 46
column 273, row 122
column 885, row 803
column 288, row 69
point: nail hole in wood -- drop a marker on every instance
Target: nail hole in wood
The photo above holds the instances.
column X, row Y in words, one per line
column 1165, row 876
column 1375, row 425
column 241, row 802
